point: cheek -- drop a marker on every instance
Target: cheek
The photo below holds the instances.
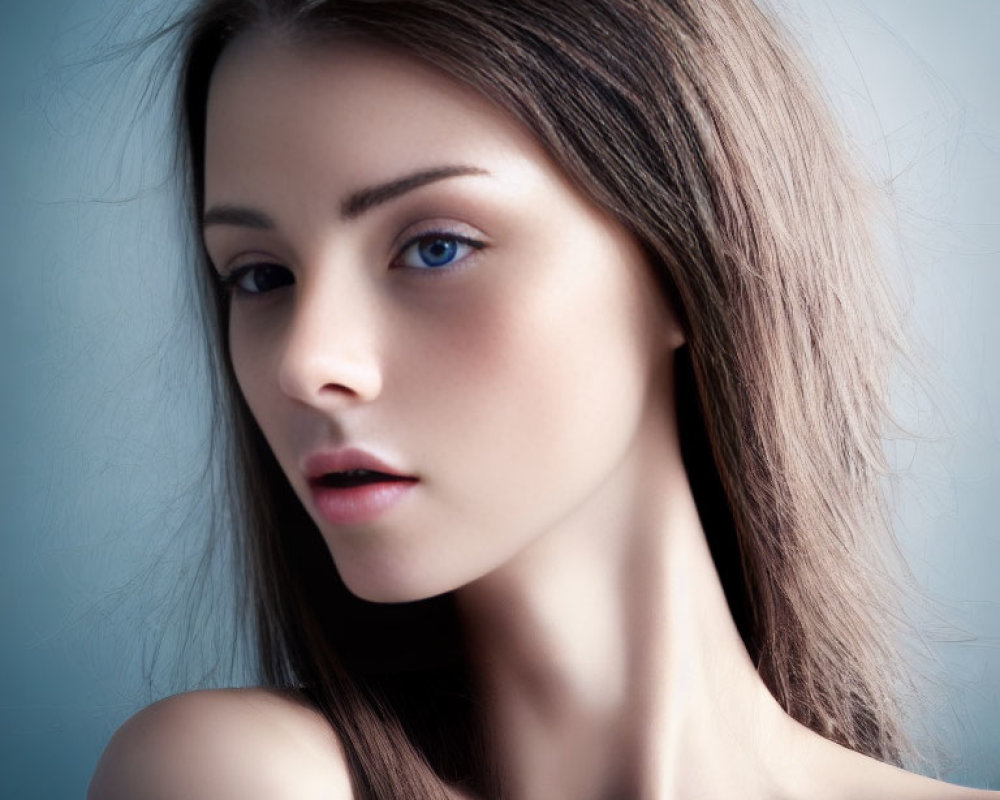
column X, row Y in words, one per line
column 531, row 393
column 245, row 356
column 254, row 358
column 247, row 370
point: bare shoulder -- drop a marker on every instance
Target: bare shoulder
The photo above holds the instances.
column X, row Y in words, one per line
column 836, row 773
column 891, row 782
column 222, row 744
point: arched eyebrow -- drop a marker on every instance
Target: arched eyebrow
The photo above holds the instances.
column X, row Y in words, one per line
column 352, row 207
column 361, row 201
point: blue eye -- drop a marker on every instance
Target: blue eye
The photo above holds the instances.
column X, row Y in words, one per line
column 436, row 250
column 258, row 278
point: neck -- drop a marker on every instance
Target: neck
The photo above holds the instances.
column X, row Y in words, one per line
column 610, row 660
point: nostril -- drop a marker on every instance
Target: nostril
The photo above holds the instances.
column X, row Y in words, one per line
column 325, row 377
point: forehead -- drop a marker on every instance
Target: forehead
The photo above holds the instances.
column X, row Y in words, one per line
column 361, row 111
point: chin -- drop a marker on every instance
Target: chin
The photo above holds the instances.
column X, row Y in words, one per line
column 383, row 584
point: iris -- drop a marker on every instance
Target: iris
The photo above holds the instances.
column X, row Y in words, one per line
column 436, row 251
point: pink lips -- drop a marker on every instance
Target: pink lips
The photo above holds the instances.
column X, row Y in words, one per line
column 354, row 504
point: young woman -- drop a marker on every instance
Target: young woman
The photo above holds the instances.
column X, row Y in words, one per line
column 554, row 360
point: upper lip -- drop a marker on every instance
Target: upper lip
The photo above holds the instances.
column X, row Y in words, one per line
column 346, row 458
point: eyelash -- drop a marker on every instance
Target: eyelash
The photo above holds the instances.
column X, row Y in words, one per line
column 230, row 281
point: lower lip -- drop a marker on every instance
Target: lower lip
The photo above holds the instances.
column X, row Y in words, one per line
column 356, row 504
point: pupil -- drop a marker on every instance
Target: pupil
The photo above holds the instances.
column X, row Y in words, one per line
column 437, row 251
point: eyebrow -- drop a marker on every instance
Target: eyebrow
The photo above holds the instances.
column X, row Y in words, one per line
column 353, row 206
column 365, row 199
column 237, row 215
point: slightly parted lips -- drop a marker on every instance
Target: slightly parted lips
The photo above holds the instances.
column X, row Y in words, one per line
column 355, row 477
column 348, row 467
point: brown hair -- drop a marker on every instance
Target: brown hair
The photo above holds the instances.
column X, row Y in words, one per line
column 693, row 123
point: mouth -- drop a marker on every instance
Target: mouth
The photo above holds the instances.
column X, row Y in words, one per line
column 352, row 487
column 350, row 478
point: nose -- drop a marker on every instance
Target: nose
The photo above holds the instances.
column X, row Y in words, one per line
column 330, row 357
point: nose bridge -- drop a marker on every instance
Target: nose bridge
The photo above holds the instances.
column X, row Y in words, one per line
column 331, row 341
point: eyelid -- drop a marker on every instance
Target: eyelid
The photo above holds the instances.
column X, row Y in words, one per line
column 242, row 260
column 450, row 226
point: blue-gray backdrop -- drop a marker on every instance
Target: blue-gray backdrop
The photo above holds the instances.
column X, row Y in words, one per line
column 103, row 425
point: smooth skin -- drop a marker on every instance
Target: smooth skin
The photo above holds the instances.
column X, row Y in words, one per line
column 487, row 329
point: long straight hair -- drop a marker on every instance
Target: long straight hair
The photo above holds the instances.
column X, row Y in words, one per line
column 693, row 123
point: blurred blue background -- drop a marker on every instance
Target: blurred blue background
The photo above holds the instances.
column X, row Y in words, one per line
column 103, row 424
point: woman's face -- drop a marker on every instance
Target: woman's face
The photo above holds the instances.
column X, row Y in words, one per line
column 449, row 349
